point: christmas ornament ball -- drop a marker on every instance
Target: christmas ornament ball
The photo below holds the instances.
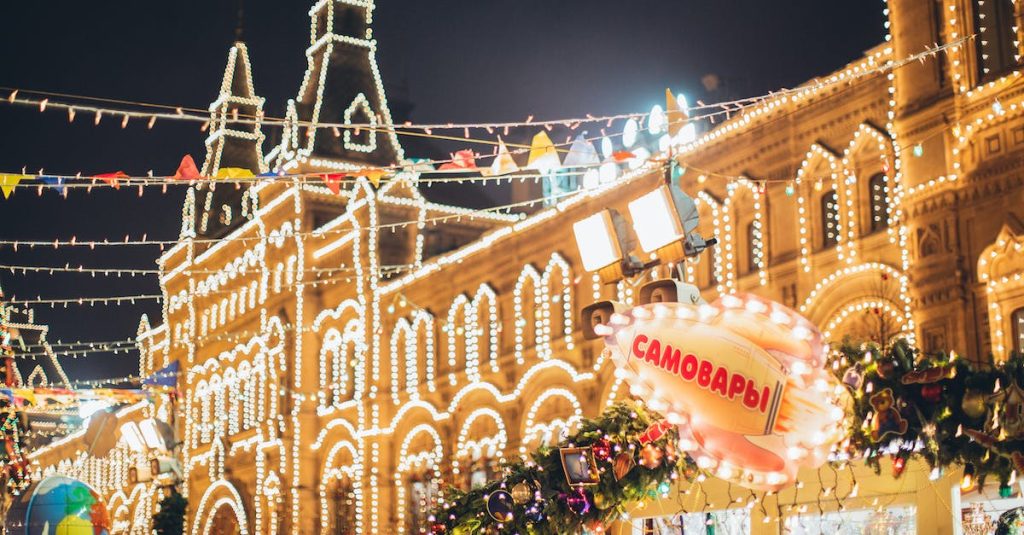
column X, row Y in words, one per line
column 973, row 404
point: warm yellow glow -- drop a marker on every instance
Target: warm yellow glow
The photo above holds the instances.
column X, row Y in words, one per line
column 596, row 240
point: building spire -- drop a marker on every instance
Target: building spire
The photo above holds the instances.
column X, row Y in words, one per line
column 235, row 141
column 342, row 84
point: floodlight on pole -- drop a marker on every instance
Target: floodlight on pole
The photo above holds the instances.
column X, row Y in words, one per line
column 665, row 221
column 605, row 240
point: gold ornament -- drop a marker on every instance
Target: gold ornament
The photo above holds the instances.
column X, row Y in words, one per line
column 521, row 492
column 650, row 456
column 973, row 404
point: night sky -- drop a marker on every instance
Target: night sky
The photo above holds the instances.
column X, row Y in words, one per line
column 458, row 61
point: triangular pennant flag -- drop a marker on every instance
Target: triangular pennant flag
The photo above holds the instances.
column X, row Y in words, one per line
column 677, row 117
column 581, row 154
column 56, row 182
column 503, row 163
column 374, row 176
column 9, row 182
column 463, row 160
column 333, row 181
column 112, row 178
column 187, row 169
column 622, row 155
column 234, row 172
column 543, row 156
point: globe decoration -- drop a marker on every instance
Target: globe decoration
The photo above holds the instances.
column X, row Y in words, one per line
column 58, row 505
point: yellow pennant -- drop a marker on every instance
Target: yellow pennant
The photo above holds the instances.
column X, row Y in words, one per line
column 9, row 182
column 677, row 117
column 543, row 156
column 374, row 176
column 233, row 172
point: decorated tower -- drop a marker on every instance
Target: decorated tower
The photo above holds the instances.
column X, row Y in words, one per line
column 342, row 86
column 234, row 148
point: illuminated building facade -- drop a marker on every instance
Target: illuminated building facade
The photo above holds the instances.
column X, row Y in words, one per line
column 338, row 364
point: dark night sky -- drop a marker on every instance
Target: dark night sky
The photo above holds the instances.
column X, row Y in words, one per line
column 458, row 60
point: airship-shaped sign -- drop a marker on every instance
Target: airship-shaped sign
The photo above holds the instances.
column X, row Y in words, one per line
column 743, row 378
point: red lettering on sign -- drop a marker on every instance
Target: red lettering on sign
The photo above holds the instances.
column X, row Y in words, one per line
column 670, row 360
column 718, row 379
column 704, row 373
column 737, row 385
column 653, row 352
column 637, row 350
column 688, row 369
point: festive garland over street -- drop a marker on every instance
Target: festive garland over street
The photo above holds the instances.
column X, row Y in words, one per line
column 940, row 408
column 628, row 454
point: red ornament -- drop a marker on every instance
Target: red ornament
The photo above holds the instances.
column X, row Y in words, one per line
column 898, row 464
column 437, row 528
column 931, row 393
column 654, row 432
column 602, row 449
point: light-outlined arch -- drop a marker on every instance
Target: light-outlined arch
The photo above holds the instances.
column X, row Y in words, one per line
column 858, row 288
column 341, row 463
column 556, row 305
column 818, row 160
column 420, row 467
column 541, row 426
column 526, row 306
column 412, row 343
column 483, row 438
column 219, row 494
column 868, row 140
column 734, row 227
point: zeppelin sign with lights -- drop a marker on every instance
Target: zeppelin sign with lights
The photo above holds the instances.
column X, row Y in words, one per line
column 743, row 378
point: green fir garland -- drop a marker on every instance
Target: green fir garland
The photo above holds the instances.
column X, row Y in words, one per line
column 547, row 511
column 951, row 406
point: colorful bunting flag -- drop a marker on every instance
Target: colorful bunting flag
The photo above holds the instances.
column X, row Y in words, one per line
column 234, row 172
column 56, row 182
column 187, row 169
column 9, row 182
column 333, row 181
column 374, row 176
column 622, row 156
column 581, row 154
column 112, row 178
column 463, row 160
column 543, row 156
column 677, row 116
column 503, row 163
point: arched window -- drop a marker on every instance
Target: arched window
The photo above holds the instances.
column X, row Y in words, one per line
column 878, row 193
column 342, row 498
column 995, row 25
column 1017, row 318
column 753, row 247
column 829, row 219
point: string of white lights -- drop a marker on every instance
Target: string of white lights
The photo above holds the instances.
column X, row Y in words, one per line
column 181, row 113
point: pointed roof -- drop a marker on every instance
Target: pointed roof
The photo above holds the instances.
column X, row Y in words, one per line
column 235, row 140
column 342, row 85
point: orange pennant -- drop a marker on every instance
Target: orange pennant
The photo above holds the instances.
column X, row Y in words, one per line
column 112, row 178
column 677, row 116
column 187, row 169
column 623, row 155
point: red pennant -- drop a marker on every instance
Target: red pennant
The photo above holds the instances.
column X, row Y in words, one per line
column 187, row 169
column 112, row 178
column 623, row 155
column 333, row 181
column 463, row 160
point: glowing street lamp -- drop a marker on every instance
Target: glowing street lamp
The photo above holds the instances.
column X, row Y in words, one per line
column 605, row 241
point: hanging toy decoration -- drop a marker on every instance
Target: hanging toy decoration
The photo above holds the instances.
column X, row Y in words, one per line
column 1011, row 410
column 522, row 492
column 887, row 419
column 578, row 501
column 650, row 456
column 624, row 462
column 602, row 449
